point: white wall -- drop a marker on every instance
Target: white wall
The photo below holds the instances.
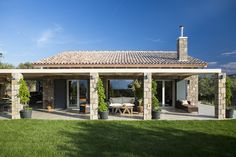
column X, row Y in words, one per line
column 181, row 90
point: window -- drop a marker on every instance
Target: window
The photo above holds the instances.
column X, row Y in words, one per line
column 119, row 88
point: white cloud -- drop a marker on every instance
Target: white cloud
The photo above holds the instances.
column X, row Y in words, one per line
column 47, row 36
column 212, row 63
column 229, row 53
column 229, row 68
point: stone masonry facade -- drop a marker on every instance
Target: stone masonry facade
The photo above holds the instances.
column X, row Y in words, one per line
column 192, row 89
column 93, row 96
column 182, row 48
column 48, row 91
column 16, row 105
column 220, row 94
column 147, row 101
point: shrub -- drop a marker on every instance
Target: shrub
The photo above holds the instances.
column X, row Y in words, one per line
column 155, row 101
column 228, row 85
column 102, row 106
column 24, row 94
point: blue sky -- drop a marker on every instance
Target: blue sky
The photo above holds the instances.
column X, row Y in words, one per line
column 31, row 30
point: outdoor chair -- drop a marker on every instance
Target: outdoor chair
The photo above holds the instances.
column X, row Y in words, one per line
column 186, row 105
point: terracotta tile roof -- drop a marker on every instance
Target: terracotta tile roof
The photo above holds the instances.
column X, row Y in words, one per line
column 122, row 58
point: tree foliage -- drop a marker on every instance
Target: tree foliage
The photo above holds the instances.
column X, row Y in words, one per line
column 207, row 89
column 6, row 66
column 26, row 65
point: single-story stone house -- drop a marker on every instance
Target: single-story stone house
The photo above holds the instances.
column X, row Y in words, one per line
column 70, row 78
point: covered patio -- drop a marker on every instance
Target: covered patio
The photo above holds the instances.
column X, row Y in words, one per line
column 146, row 75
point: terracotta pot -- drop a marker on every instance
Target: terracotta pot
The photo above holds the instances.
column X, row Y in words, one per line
column 140, row 109
column 49, row 108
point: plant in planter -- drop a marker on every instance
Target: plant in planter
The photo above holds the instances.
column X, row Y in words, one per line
column 155, row 102
column 229, row 109
column 138, row 91
column 24, row 96
column 102, row 106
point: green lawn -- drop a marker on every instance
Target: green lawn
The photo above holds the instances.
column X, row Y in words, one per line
column 117, row 138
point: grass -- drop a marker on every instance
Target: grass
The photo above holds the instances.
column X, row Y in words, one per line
column 41, row 138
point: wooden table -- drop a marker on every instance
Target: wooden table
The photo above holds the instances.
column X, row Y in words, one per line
column 83, row 108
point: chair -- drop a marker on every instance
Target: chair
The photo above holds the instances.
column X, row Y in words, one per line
column 186, row 105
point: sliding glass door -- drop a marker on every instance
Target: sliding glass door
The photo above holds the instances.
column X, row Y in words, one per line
column 77, row 93
column 165, row 92
column 73, row 93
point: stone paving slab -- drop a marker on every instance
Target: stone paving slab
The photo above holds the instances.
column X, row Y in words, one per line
column 206, row 112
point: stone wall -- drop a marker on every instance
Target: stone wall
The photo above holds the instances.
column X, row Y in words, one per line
column 48, row 91
column 182, row 48
column 192, row 89
column 147, row 101
column 93, row 96
column 16, row 105
column 220, row 94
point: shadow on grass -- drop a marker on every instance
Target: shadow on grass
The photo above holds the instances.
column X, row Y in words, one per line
column 140, row 139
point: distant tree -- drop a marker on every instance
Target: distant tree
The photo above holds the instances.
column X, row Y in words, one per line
column 206, row 89
column 26, row 65
column 6, row 66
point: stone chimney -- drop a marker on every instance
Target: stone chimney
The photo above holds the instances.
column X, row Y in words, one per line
column 182, row 46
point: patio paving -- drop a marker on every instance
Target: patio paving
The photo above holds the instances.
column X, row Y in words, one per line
column 206, row 112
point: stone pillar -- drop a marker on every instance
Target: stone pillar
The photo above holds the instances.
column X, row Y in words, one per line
column 16, row 106
column 93, row 96
column 192, row 89
column 48, row 91
column 147, row 96
column 220, row 94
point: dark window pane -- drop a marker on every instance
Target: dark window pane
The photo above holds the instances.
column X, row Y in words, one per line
column 119, row 88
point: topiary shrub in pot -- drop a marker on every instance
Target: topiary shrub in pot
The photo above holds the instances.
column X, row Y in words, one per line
column 24, row 96
column 156, row 111
column 229, row 112
column 102, row 106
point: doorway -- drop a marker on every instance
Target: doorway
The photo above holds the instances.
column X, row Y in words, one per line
column 166, row 92
column 77, row 93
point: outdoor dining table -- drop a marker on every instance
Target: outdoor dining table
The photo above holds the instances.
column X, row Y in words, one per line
column 127, row 108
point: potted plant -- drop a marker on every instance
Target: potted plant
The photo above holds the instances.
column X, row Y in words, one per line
column 229, row 109
column 102, row 106
column 24, row 96
column 156, row 111
column 140, row 105
column 138, row 91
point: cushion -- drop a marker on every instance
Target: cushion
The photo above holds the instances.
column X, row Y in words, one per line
column 116, row 100
column 184, row 102
column 115, row 105
column 128, row 104
column 128, row 100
